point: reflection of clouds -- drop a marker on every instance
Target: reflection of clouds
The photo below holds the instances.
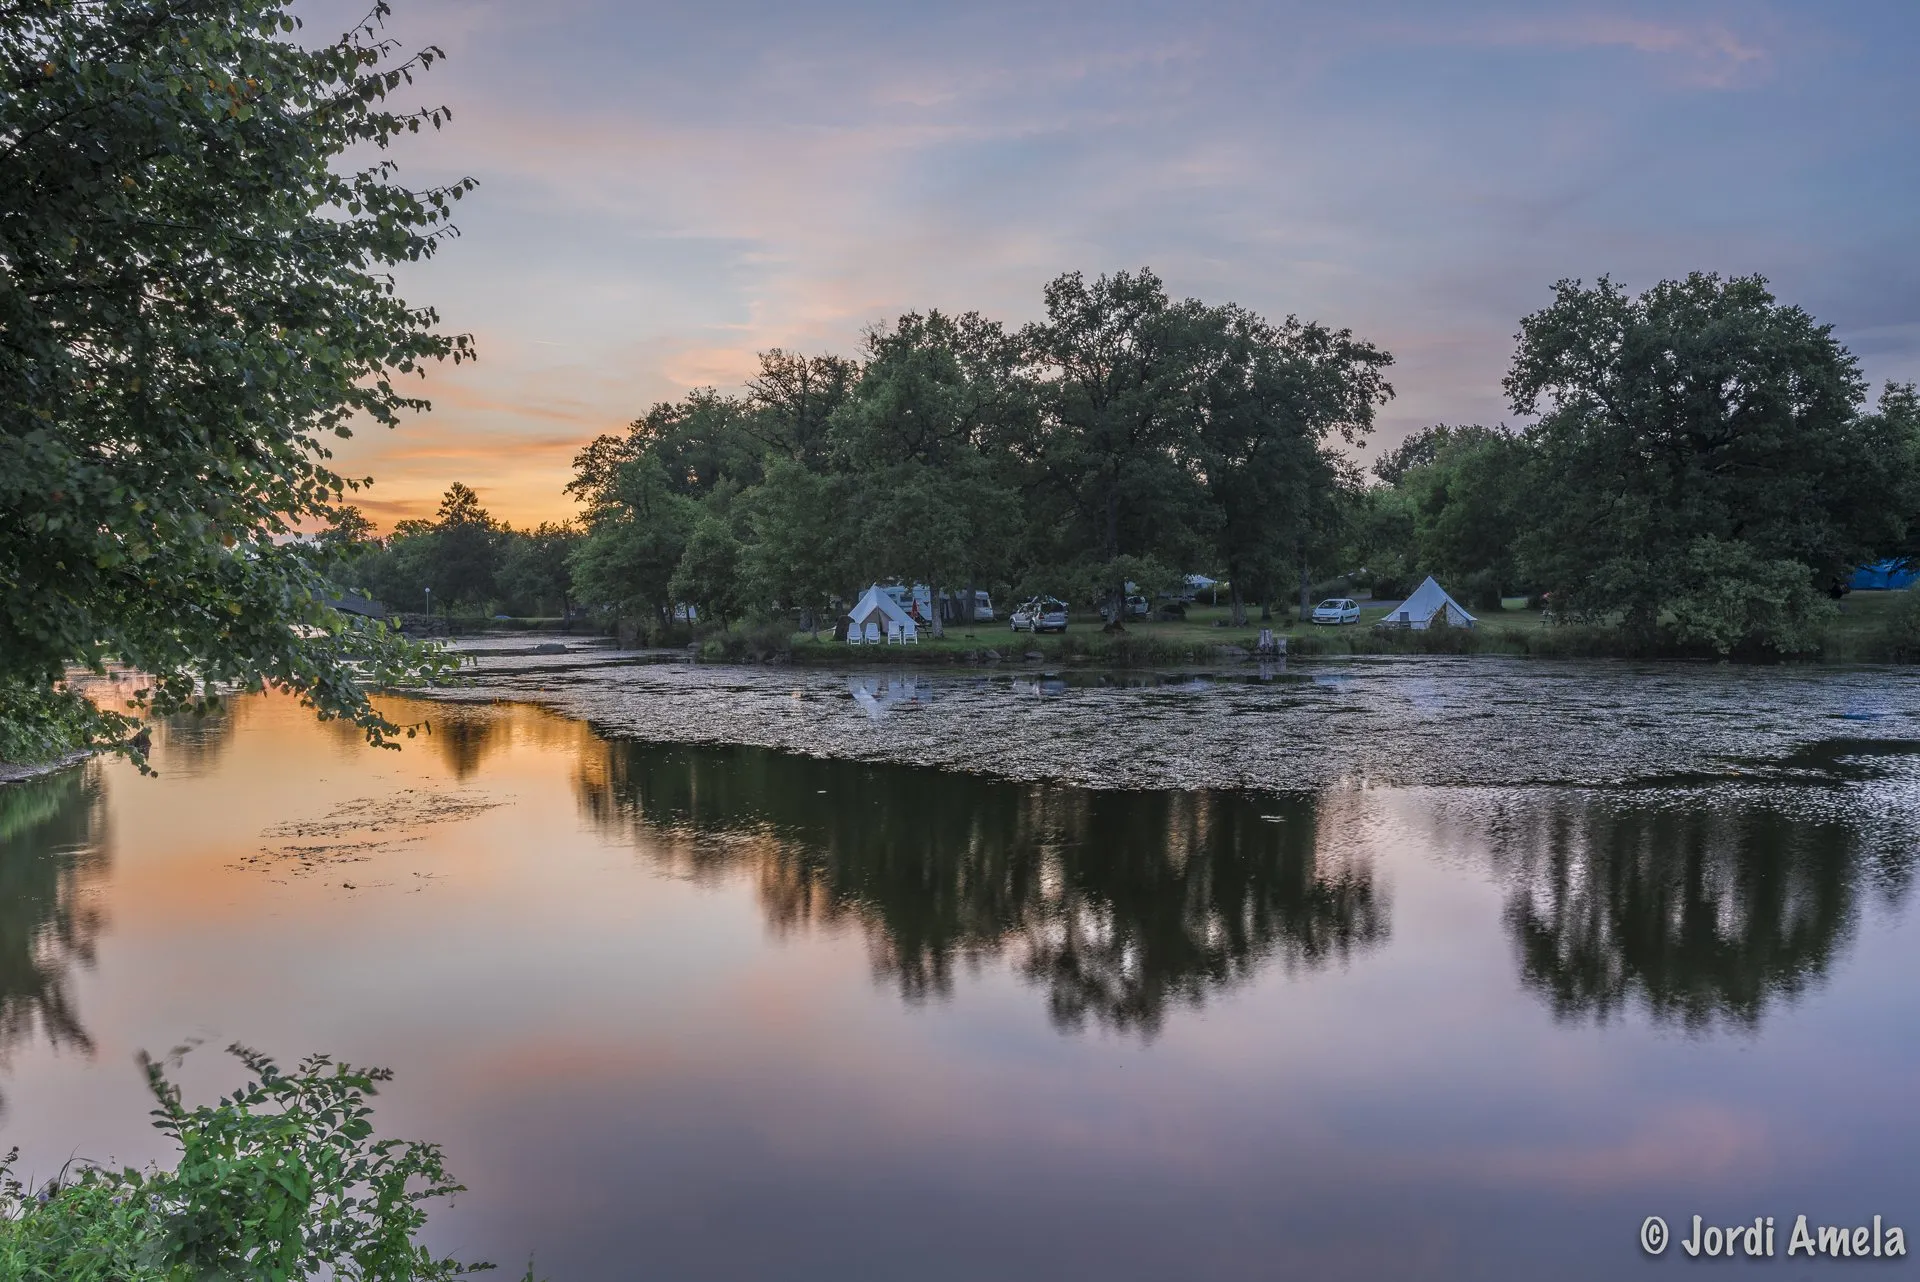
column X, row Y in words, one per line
column 1696, row 1140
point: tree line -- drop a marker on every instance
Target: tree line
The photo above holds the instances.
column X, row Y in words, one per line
column 1704, row 465
column 463, row 557
column 1701, row 462
column 1126, row 437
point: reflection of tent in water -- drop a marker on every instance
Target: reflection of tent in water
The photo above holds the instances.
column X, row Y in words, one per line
column 878, row 616
column 877, row 694
column 1428, row 605
column 1424, row 693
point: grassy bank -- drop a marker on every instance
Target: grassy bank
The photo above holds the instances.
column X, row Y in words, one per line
column 1869, row 628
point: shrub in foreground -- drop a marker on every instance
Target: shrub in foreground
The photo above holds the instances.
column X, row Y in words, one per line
column 281, row 1180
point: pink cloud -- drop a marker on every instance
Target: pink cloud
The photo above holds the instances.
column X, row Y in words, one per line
column 1708, row 55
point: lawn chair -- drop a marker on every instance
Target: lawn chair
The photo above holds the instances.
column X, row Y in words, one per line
column 896, row 635
column 853, row 634
column 909, row 637
column 873, row 632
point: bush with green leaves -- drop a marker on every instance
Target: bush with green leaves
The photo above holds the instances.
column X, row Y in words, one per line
column 1903, row 629
column 283, row 1179
column 41, row 723
column 1733, row 600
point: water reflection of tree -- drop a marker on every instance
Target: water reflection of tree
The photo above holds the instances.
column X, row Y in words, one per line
column 193, row 743
column 465, row 737
column 49, row 919
column 1121, row 904
column 1702, row 912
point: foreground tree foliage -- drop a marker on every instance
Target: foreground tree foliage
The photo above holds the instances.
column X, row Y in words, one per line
column 193, row 298
column 282, row 1179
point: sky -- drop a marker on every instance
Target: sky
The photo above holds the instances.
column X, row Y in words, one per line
column 668, row 189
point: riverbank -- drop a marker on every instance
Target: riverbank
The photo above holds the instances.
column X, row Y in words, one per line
column 20, row 772
column 1867, row 628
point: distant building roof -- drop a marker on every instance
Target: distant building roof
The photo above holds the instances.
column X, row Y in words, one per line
column 354, row 603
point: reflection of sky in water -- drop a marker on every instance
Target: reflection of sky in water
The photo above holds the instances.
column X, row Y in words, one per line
column 731, row 1013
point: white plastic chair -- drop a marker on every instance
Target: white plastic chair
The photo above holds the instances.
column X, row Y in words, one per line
column 909, row 636
column 894, row 633
column 873, row 632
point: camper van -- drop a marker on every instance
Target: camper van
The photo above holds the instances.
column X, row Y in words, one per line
column 918, row 601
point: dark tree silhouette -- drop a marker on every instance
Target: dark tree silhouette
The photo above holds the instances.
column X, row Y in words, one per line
column 1121, row 905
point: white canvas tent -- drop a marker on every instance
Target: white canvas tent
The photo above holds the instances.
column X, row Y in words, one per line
column 881, row 610
column 1429, row 602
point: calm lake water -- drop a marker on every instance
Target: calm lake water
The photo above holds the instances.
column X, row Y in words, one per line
column 1409, row 970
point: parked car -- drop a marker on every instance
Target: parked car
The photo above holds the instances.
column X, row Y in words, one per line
column 1337, row 610
column 1021, row 620
column 1049, row 615
column 1138, row 607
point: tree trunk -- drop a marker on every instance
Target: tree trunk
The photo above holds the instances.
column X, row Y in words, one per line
column 1306, row 593
column 1235, row 599
column 933, row 608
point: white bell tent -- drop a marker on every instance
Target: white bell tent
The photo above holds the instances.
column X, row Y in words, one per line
column 883, row 614
column 1428, row 603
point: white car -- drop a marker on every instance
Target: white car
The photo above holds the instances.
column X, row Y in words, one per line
column 1042, row 614
column 1337, row 610
column 1049, row 615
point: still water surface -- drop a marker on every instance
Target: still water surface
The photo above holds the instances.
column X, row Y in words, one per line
column 710, row 1011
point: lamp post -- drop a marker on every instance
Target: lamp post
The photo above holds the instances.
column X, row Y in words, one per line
column 429, row 611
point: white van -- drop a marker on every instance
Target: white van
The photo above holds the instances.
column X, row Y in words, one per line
column 918, row 601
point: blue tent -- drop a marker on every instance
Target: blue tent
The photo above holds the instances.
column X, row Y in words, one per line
column 1884, row 576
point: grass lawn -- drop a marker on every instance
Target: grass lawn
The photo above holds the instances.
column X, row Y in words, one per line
column 1857, row 633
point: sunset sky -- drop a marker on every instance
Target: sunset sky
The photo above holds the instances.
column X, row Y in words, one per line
column 667, row 189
